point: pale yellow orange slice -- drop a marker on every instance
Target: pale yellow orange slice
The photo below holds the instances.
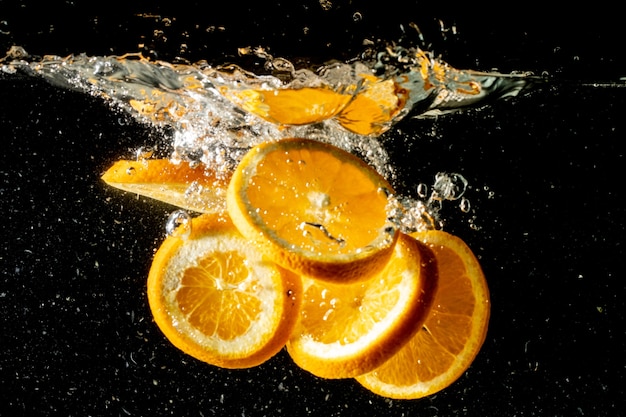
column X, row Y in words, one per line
column 192, row 187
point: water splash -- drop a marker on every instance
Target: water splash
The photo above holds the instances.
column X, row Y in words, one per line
column 216, row 114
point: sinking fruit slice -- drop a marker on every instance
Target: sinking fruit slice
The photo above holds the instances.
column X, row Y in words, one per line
column 290, row 106
column 314, row 209
column 215, row 298
column 452, row 334
column 346, row 330
column 194, row 188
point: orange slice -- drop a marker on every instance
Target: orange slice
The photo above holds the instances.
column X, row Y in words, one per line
column 314, row 209
column 372, row 110
column 290, row 106
column 181, row 184
column 346, row 330
column 452, row 334
column 215, row 297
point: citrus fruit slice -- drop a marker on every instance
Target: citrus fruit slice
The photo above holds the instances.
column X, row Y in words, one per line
column 181, row 184
column 313, row 208
column 298, row 106
column 346, row 330
column 215, row 298
column 372, row 111
column 452, row 334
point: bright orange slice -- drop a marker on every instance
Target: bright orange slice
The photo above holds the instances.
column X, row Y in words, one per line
column 452, row 334
column 373, row 110
column 217, row 299
column 290, row 106
column 181, row 184
column 346, row 330
column 314, row 209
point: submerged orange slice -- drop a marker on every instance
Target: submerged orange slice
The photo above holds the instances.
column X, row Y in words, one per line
column 181, row 184
column 217, row 299
column 452, row 334
column 346, row 330
column 314, row 209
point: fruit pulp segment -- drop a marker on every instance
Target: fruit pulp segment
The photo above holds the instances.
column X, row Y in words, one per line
column 218, row 297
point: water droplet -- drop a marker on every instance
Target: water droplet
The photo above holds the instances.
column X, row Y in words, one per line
column 130, row 170
column 357, row 16
column 178, row 224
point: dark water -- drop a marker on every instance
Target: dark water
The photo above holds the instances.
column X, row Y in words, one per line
column 547, row 220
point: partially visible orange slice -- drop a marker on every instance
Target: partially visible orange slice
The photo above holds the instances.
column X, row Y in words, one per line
column 194, row 188
column 453, row 332
column 217, row 299
column 367, row 110
column 374, row 108
column 290, row 106
column 346, row 330
column 314, row 209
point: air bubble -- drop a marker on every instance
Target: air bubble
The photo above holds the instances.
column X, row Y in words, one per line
column 449, row 186
column 465, row 205
column 422, row 190
column 328, row 313
column 178, row 224
column 144, row 153
column 384, row 192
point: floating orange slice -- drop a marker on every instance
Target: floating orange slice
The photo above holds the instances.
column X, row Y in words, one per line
column 368, row 111
column 217, row 299
column 452, row 334
column 290, row 106
column 374, row 108
column 181, row 184
column 314, row 209
column 346, row 330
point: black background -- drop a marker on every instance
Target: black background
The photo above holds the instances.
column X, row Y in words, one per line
column 547, row 189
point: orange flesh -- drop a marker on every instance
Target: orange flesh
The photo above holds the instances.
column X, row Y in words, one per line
column 344, row 313
column 445, row 333
column 218, row 280
column 372, row 109
column 291, row 106
column 318, row 203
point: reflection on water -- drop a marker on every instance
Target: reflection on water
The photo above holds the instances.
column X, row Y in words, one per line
column 216, row 113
